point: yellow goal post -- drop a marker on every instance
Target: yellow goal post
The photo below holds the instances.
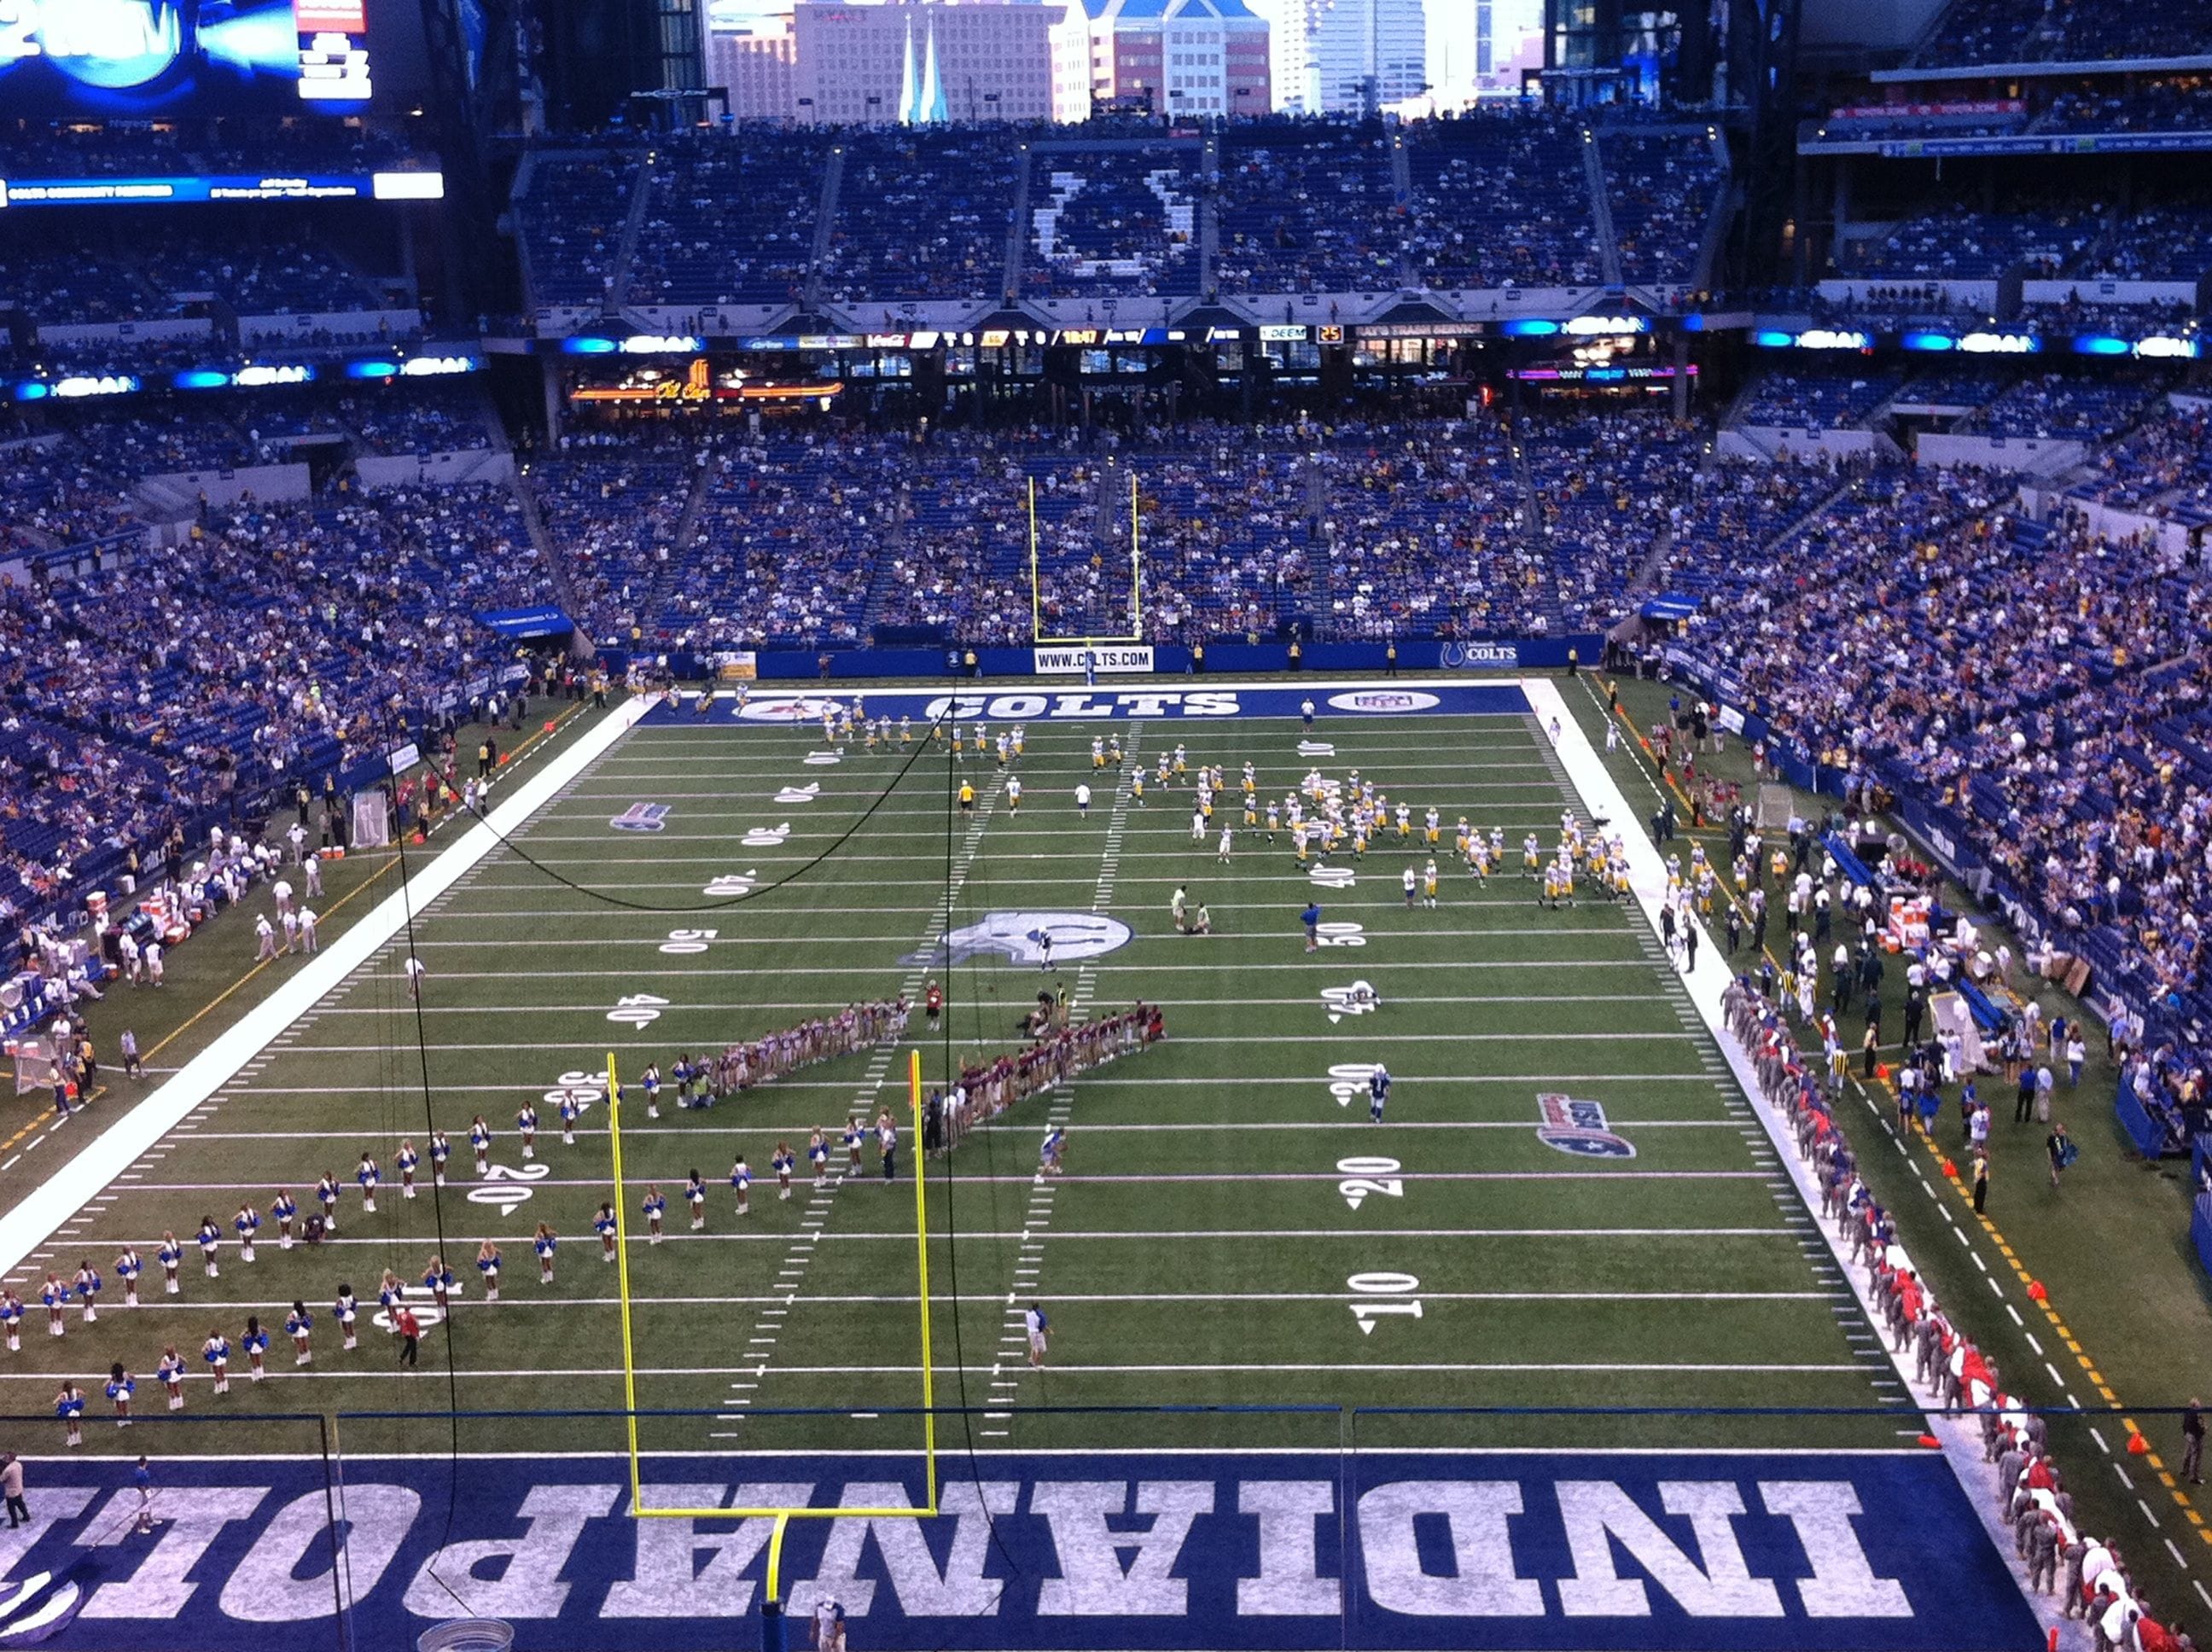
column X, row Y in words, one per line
column 638, row 1507
column 1136, row 631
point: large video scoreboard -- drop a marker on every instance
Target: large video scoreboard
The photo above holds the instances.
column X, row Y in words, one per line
column 125, row 58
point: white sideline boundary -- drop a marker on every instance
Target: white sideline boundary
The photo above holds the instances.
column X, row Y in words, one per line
column 31, row 1223
column 1706, row 982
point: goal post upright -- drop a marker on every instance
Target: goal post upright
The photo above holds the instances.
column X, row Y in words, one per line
column 1136, row 611
column 639, row 1509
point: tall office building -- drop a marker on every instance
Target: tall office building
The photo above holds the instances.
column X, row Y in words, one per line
column 1347, row 56
column 1206, row 58
column 836, row 63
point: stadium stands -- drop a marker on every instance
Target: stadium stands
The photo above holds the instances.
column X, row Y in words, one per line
column 2051, row 405
column 1308, row 207
column 1955, row 244
column 1662, row 189
column 1503, row 200
column 1813, row 401
column 729, row 223
column 572, row 221
column 922, row 216
column 2088, row 31
column 293, row 639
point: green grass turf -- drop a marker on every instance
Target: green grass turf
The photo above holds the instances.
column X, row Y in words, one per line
column 1198, row 1251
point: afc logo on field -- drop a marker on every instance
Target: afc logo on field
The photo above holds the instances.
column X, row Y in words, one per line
column 1579, row 1128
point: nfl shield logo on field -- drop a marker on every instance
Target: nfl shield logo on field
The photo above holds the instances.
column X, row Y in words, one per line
column 1031, row 937
column 1576, row 1126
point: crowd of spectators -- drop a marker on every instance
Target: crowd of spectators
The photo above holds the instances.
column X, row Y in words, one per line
column 2178, row 103
column 571, row 220
column 1818, row 401
column 1662, row 189
column 281, row 277
column 2053, row 405
column 1503, row 200
column 2068, row 31
column 922, row 214
column 2042, row 685
column 1957, row 244
column 420, row 419
column 2162, row 468
column 1427, row 535
column 1308, row 207
column 729, row 221
column 151, row 691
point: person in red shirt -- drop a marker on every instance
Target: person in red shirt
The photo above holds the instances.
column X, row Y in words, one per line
column 410, row 1330
column 933, row 1002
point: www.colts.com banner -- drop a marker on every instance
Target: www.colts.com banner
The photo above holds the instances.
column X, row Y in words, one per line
column 1763, row 1552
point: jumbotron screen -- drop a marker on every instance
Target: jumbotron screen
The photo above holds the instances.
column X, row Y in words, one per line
column 115, row 59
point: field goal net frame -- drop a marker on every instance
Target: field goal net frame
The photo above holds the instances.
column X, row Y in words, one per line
column 638, row 1507
column 1136, row 631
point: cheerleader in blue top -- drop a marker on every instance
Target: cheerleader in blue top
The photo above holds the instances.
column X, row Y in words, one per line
column 652, row 1082
column 211, row 1237
column 171, row 1256
column 438, row 1281
column 216, row 1352
column 121, row 1385
column 326, row 1195
column 11, row 1319
column 128, row 1266
column 526, row 1121
column 545, row 1244
column 89, row 1287
column 390, row 1293
column 406, row 1158
column 282, row 1210
column 571, row 1110
column 682, row 1073
column 480, row 1144
column 817, row 1154
column 780, row 1162
column 368, row 1176
column 55, row 1295
column 298, row 1325
column 488, row 1265
column 696, row 1197
column 441, row 1150
column 69, row 1406
column 170, row 1369
column 247, row 1222
column 603, row 1225
column 256, row 1343
column 853, row 1137
column 741, row 1178
column 348, row 1310
column 656, row 1207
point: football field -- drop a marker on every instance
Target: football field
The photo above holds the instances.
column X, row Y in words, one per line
column 1230, row 1227
column 1570, row 1232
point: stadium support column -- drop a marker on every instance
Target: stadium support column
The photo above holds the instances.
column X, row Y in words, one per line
column 1762, row 59
column 1682, row 385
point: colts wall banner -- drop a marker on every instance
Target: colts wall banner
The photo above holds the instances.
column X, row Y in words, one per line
column 1098, row 656
column 1556, row 1551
